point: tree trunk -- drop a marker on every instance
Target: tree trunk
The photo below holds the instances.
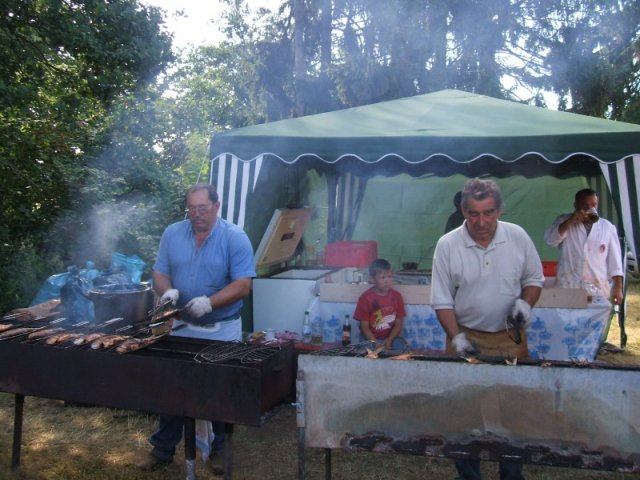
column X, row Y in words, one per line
column 438, row 33
column 326, row 17
column 299, row 70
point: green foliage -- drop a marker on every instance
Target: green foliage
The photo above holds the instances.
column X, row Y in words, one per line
column 65, row 65
column 588, row 54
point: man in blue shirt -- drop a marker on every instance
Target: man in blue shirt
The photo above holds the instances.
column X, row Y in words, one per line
column 204, row 266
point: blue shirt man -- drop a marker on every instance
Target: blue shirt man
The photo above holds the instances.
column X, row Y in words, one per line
column 205, row 266
column 223, row 257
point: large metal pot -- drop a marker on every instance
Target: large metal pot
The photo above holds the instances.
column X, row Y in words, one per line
column 132, row 302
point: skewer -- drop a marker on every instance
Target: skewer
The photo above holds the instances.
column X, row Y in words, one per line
column 137, row 335
column 18, row 332
column 158, row 307
column 134, row 344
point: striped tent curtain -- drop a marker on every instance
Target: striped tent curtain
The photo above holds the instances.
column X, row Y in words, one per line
column 235, row 180
column 623, row 179
column 346, row 192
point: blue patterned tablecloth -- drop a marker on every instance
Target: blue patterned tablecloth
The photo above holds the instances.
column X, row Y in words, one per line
column 554, row 334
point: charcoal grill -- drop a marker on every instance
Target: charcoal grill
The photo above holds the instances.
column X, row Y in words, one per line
column 171, row 376
column 548, row 413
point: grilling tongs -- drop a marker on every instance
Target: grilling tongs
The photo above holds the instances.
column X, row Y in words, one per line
column 156, row 312
column 514, row 325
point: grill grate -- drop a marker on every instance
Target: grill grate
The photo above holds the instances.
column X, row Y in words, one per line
column 242, row 352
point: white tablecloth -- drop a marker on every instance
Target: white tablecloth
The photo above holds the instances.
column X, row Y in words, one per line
column 554, row 334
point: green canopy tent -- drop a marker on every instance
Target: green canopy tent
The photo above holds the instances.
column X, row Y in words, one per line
column 442, row 133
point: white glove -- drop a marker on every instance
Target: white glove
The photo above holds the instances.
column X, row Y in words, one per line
column 170, row 295
column 462, row 345
column 199, row 306
column 521, row 311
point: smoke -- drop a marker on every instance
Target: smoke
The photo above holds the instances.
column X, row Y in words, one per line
column 106, row 224
column 127, row 227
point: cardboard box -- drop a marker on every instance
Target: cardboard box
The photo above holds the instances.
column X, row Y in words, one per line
column 339, row 286
column 334, row 288
column 349, row 293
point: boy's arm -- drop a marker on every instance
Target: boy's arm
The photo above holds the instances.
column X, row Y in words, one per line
column 398, row 325
column 395, row 331
column 365, row 331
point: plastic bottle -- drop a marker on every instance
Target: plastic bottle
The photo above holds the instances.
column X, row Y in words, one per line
column 306, row 328
column 346, row 330
column 316, row 332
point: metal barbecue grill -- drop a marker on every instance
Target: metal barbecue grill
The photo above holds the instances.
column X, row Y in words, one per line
column 548, row 413
column 231, row 382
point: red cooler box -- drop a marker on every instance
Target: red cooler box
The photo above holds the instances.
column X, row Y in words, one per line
column 549, row 268
column 347, row 253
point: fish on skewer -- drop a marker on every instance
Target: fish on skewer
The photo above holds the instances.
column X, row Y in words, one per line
column 61, row 338
column 19, row 314
column 403, row 356
column 16, row 332
column 5, row 326
column 47, row 332
column 163, row 311
column 88, row 338
column 47, row 309
column 83, row 338
column 108, row 341
column 373, row 353
column 133, row 344
column 166, row 315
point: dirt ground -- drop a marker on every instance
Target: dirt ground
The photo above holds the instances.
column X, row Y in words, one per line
column 79, row 443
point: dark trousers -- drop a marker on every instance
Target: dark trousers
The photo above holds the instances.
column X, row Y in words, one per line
column 470, row 470
column 169, row 434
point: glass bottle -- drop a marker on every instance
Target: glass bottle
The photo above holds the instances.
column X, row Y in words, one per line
column 346, row 330
column 306, row 328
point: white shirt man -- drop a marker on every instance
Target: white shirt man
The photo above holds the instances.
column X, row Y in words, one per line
column 484, row 272
column 481, row 284
column 590, row 255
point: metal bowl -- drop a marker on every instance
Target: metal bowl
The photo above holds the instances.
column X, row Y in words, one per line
column 132, row 302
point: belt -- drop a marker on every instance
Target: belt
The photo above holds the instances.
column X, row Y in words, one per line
column 483, row 332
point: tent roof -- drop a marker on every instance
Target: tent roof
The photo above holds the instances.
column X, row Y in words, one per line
column 450, row 123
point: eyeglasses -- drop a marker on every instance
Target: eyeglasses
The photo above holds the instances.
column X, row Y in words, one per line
column 201, row 209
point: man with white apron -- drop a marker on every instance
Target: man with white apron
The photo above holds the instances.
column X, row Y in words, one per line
column 590, row 255
column 487, row 275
